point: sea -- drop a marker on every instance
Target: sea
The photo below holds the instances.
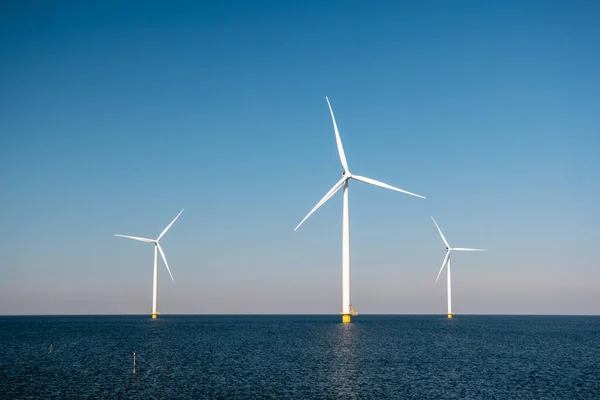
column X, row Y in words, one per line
column 300, row 357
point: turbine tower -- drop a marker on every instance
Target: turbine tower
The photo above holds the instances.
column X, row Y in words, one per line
column 347, row 310
column 157, row 248
column 447, row 262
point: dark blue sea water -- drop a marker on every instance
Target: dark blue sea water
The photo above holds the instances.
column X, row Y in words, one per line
column 308, row 357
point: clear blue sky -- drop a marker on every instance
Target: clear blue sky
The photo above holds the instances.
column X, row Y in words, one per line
column 115, row 116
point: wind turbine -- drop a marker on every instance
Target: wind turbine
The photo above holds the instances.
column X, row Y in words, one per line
column 347, row 310
column 447, row 262
column 157, row 248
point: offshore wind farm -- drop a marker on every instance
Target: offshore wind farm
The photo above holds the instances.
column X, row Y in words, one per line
column 115, row 114
column 242, row 164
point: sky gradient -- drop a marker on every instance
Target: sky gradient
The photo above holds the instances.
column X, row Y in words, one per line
column 113, row 117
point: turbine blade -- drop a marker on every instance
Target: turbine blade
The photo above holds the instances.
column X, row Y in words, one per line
column 331, row 192
column 441, row 234
column 443, row 264
column 162, row 253
column 167, row 228
column 383, row 185
column 464, row 249
column 136, row 238
column 338, row 139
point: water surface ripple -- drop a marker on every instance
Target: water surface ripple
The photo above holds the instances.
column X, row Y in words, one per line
column 308, row 357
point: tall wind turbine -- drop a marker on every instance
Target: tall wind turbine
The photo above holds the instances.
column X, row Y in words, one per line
column 157, row 248
column 447, row 262
column 347, row 310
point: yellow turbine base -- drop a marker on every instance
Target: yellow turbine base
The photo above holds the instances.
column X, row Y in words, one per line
column 450, row 315
column 346, row 318
column 153, row 316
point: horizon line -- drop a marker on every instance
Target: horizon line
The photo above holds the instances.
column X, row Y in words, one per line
column 296, row 314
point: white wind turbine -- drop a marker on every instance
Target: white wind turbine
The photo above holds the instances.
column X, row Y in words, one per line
column 157, row 248
column 347, row 310
column 447, row 262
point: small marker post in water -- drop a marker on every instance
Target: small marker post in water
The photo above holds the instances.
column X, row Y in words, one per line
column 134, row 362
